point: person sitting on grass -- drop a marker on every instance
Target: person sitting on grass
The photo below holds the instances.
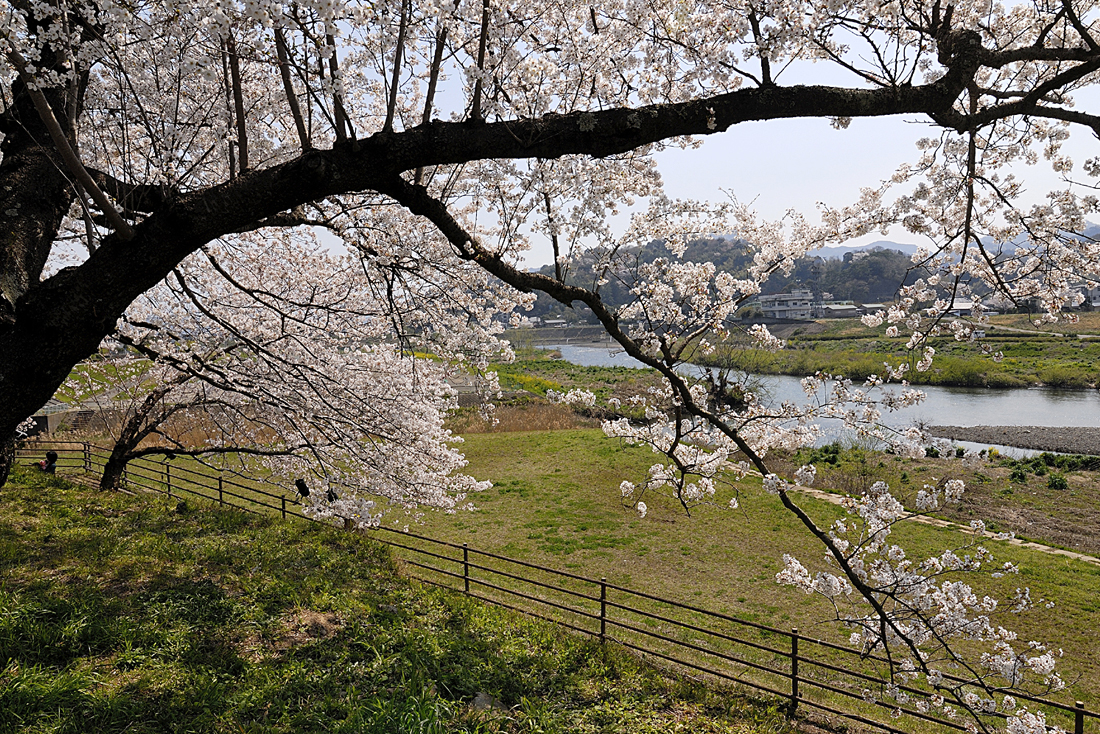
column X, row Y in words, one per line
column 49, row 464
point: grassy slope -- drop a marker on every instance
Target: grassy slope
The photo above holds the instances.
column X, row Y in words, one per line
column 556, row 502
column 131, row 614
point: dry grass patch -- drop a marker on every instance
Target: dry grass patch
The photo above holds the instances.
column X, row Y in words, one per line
column 533, row 415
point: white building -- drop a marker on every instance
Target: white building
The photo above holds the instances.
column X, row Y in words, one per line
column 1092, row 297
column 798, row 304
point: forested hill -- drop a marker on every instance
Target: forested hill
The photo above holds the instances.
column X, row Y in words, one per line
column 865, row 276
column 871, row 275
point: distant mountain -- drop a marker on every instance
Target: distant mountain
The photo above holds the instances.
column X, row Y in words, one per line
column 838, row 253
column 1092, row 231
column 865, row 274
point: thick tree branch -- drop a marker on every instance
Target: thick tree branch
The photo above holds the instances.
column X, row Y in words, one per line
column 82, row 304
column 145, row 198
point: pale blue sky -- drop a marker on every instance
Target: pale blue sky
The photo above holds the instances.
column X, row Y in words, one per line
column 794, row 164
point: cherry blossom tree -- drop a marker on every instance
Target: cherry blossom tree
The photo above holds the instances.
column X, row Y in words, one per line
column 286, row 359
column 438, row 139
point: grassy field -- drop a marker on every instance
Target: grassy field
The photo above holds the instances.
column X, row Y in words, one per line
column 136, row 614
column 556, row 502
column 1048, row 498
column 539, row 370
column 1054, row 355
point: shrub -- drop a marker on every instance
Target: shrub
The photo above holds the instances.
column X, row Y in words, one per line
column 1057, row 481
column 1064, row 377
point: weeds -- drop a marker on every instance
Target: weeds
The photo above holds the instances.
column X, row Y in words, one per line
column 120, row 614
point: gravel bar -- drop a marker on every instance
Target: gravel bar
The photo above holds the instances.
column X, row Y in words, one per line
column 1066, row 440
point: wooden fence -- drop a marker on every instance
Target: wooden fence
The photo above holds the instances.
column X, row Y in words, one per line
column 803, row 673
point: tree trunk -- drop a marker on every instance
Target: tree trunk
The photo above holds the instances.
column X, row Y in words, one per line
column 114, row 468
column 7, row 458
column 145, row 419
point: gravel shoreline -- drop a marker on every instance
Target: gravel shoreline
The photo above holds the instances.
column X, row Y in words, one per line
column 1038, row 438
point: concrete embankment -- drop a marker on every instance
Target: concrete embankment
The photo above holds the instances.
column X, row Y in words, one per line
column 1039, row 438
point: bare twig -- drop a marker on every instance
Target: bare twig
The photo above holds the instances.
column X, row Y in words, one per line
column 339, row 114
column 227, row 87
column 475, row 111
column 399, row 52
column 433, row 81
column 238, row 102
column 288, row 88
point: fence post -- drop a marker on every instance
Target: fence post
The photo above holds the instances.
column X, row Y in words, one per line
column 87, row 457
column 466, row 567
column 284, row 506
column 1079, row 718
column 603, row 608
column 794, row 671
column 168, row 477
column 221, row 500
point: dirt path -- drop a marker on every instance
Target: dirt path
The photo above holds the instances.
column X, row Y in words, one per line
column 836, row 499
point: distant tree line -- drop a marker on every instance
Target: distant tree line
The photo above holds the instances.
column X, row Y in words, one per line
column 868, row 276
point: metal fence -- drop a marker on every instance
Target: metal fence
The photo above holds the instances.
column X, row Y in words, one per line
column 804, row 673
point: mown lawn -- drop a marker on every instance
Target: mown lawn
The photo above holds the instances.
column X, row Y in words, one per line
column 141, row 614
column 556, row 501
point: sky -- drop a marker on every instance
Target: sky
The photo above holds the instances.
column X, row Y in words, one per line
column 780, row 165
column 795, row 164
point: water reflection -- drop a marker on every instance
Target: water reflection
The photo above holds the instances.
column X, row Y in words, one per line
column 956, row 406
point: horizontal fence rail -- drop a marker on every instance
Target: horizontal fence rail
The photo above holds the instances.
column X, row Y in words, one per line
column 802, row 672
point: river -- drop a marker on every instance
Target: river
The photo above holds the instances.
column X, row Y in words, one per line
column 957, row 406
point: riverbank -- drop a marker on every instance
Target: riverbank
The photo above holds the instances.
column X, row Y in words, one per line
column 1009, row 355
column 1028, row 356
column 1066, row 440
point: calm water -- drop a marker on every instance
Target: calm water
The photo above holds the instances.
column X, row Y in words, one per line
column 955, row 406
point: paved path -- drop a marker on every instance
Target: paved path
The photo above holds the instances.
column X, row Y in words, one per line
column 836, row 499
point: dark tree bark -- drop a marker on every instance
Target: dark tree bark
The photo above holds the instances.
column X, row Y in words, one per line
column 114, row 468
column 7, row 457
column 48, row 326
column 145, row 420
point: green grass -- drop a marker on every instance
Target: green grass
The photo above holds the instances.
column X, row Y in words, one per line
column 92, row 378
column 556, row 501
column 1055, row 361
column 122, row 613
column 846, row 347
column 539, row 370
